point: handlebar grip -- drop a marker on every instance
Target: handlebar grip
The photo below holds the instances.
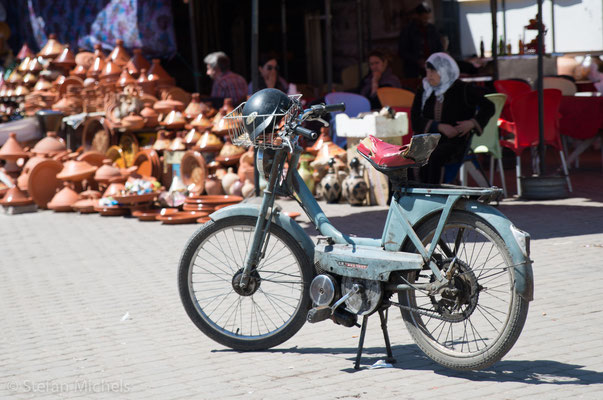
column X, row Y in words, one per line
column 307, row 133
column 335, row 107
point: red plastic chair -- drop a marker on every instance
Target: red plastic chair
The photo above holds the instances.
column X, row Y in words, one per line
column 524, row 110
column 512, row 89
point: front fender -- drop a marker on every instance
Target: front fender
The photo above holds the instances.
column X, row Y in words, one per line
column 280, row 219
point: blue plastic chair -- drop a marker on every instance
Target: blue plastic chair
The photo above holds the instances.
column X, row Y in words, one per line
column 354, row 105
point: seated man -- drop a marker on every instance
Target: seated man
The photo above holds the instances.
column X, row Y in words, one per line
column 226, row 83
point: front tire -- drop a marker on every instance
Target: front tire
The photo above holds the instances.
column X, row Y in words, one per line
column 479, row 326
column 273, row 307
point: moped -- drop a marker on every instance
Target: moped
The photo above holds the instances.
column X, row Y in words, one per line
column 459, row 270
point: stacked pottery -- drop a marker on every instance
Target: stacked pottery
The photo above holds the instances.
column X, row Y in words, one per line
column 11, row 152
column 151, row 117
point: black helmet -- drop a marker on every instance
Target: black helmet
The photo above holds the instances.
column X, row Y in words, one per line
column 263, row 111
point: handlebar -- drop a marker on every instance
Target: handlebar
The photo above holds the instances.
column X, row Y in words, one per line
column 307, row 133
column 321, row 109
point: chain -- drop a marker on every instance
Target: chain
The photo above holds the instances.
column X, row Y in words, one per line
column 421, row 311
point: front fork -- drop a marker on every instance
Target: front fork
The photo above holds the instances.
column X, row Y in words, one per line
column 262, row 225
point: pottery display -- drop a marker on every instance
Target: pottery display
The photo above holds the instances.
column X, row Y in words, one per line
column 228, row 180
column 50, row 145
column 63, row 199
column 354, row 186
column 201, row 123
column 97, row 64
column 107, row 172
column 76, row 171
column 11, row 151
column 213, row 186
column 65, row 60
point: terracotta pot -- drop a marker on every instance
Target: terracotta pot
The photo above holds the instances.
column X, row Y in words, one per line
column 157, row 74
column 133, row 122
column 213, row 186
column 119, row 55
column 194, row 108
column 143, row 82
column 80, row 71
column 29, row 79
column 25, row 52
column 41, row 85
column 52, row 48
column 202, row 123
column 65, row 60
column 15, row 197
column 98, row 64
column 125, row 79
column 76, row 171
column 114, row 189
column 174, row 120
column 228, row 180
column 209, row 143
column 64, row 199
column 106, row 172
column 191, row 138
column 137, row 63
column 50, row 145
column 110, row 72
column 22, row 68
column 151, row 117
column 11, row 150
column 42, row 182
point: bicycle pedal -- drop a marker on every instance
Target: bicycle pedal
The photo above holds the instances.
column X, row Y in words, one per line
column 318, row 314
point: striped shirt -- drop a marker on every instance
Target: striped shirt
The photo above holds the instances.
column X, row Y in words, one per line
column 230, row 85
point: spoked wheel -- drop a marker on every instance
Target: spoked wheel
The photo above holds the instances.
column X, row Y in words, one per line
column 264, row 314
column 473, row 322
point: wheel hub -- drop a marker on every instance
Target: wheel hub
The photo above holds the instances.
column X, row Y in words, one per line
column 457, row 301
column 253, row 284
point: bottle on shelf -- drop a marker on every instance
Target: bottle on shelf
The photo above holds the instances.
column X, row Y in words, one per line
column 520, row 44
column 481, row 47
column 509, row 50
column 501, row 47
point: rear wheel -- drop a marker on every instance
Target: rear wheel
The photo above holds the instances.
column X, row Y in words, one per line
column 474, row 322
column 272, row 307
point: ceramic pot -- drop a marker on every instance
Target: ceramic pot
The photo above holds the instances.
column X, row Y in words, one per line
column 354, row 186
column 330, row 186
column 228, row 179
column 15, row 197
column 65, row 60
column 143, row 82
column 25, row 52
column 64, row 199
column 157, row 74
column 11, row 150
column 106, row 172
column 52, row 48
column 97, row 64
column 236, row 189
column 194, row 108
column 76, row 171
column 133, row 122
column 50, row 145
column 125, row 79
column 174, row 120
column 151, row 118
column 119, row 55
column 248, row 189
column 137, row 63
column 213, row 186
column 202, row 123
column 110, row 72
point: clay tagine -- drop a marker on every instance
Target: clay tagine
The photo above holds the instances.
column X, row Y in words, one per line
column 125, row 79
column 50, row 145
column 143, row 82
column 151, row 117
column 25, row 52
column 64, row 199
column 12, row 150
column 15, row 197
column 174, row 120
column 119, row 55
column 137, row 63
column 194, row 108
column 110, row 73
column 159, row 75
column 133, row 122
column 107, row 172
column 98, row 64
column 65, row 60
column 52, row 48
column 76, row 171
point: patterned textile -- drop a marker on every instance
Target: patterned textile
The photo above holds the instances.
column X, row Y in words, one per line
column 82, row 23
column 230, row 85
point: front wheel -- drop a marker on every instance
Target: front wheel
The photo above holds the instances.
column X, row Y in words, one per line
column 272, row 307
column 474, row 322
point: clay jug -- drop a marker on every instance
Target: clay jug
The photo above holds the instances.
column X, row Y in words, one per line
column 213, row 185
column 228, row 179
column 354, row 186
column 236, row 189
column 331, row 188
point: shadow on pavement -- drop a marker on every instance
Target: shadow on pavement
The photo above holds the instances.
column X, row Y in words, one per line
column 410, row 357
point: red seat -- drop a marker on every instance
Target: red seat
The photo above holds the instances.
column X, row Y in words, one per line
column 512, row 89
column 524, row 110
column 384, row 155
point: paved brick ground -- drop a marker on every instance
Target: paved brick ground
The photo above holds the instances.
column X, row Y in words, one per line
column 90, row 308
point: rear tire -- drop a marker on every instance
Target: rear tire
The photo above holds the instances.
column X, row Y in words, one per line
column 270, row 311
column 491, row 315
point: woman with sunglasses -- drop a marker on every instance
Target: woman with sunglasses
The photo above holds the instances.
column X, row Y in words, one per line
column 269, row 76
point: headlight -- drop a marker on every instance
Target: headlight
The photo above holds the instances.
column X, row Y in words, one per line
column 522, row 238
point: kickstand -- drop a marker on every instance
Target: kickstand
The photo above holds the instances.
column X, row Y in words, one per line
column 361, row 341
column 390, row 356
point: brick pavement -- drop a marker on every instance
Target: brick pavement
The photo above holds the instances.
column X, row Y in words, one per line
column 68, row 281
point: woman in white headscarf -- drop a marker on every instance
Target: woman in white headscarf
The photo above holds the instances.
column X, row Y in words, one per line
column 446, row 105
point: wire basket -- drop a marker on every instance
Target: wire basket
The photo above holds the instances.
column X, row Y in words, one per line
column 269, row 125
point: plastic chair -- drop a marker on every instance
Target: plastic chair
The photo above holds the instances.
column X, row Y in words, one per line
column 525, row 127
column 354, row 105
column 489, row 142
column 567, row 87
column 395, row 97
column 513, row 89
